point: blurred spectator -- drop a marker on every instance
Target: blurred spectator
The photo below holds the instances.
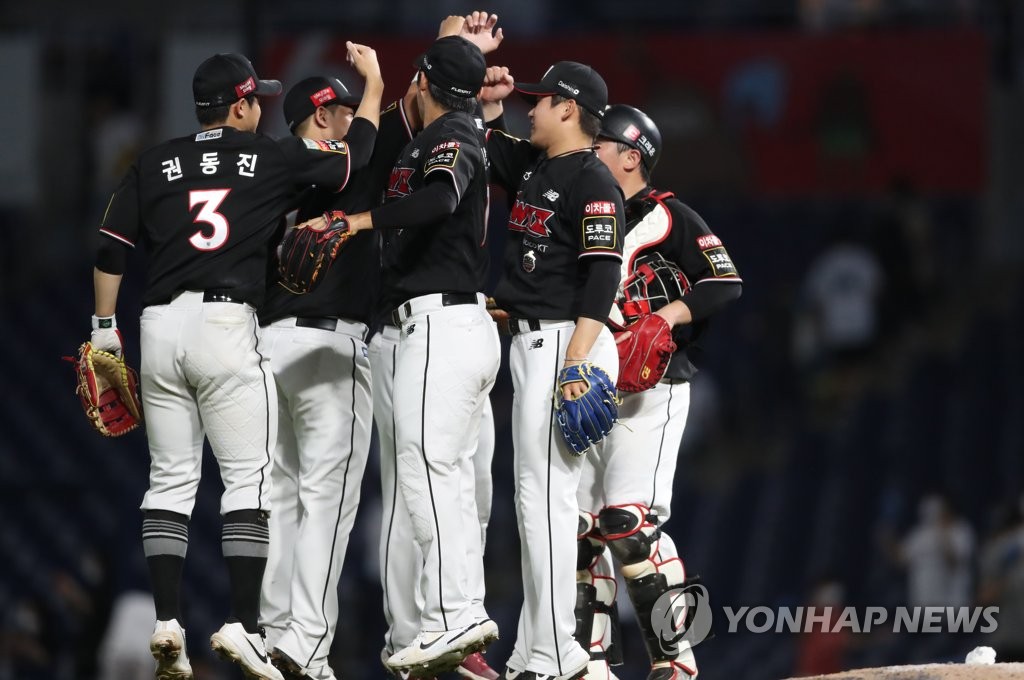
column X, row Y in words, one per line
column 844, row 131
column 902, row 238
column 1001, row 576
column 820, row 651
column 124, row 652
column 937, row 553
column 24, row 643
column 837, row 322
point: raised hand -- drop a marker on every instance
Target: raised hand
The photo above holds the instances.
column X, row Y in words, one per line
column 479, row 30
column 363, row 60
column 498, row 84
column 451, row 25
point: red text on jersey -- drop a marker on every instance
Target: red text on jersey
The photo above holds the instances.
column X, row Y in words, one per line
column 530, row 218
column 599, row 208
column 708, row 241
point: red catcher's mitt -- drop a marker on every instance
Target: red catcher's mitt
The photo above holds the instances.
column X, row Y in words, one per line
column 308, row 252
column 109, row 391
column 644, row 355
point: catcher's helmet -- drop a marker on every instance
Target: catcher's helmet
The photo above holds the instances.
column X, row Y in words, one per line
column 631, row 126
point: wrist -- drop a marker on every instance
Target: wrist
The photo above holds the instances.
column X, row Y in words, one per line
column 104, row 322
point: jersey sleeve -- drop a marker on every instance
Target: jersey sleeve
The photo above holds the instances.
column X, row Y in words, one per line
column 121, row 219
column 510, row 157
column 700, row 253
column 598, row 215
column 452, row 159
column 324, row 163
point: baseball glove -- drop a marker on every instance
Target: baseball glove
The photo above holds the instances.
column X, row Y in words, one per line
column 644, row 355
column 587, row 419
column 108, row 389
column 307, row 252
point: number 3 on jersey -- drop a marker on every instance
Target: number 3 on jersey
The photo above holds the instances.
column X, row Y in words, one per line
column 209, row 200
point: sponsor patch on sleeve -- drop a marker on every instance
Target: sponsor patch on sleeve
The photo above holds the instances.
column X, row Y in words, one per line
column 599, row 232
column 599, row 208
column 332, row 145
column 721, row 263
column 708, row 241
column 443, row 155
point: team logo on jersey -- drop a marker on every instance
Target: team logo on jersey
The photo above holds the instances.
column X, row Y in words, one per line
column 332, row 145
column 398, row 184
column 529, row 218
column 529, row 261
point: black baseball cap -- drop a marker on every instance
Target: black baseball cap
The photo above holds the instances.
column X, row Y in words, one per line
column 455, row 65
column 571, row 80
column 307, row 95
column 226, row 78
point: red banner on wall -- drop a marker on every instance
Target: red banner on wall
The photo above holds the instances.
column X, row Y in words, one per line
column 770, row 113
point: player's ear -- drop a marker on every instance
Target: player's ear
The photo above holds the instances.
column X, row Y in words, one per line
column 569, row 109
column 633, row 160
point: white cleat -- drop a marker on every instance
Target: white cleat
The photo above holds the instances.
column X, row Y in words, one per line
column 247, row 650
column 168, row 648
column 435, row 652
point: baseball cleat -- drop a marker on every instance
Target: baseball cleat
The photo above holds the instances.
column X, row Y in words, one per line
column 475, row 667
column 434, row 652
column 168, row 648
column 510, row 674
column 291, row 670
column 673, row 671
column 247, row 650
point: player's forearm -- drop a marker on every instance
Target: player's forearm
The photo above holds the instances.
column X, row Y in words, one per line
column 369, row 105
column 583, row 338
column 105, row 287
column 676, row 313
column 706, row 299
column 492, row 111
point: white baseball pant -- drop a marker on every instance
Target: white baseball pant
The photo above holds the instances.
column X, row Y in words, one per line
column 442, row 370
column 325, row 413
column 547, row 476
column 635, row 467
column 203, row 371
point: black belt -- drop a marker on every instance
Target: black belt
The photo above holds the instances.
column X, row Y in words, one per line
column 512, row 326
column 324, row 323
column 220, row 296
column 447, row 300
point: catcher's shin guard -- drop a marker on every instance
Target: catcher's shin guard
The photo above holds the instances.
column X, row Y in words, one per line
column 644, row 593
column 613, row 654
column 586, row 603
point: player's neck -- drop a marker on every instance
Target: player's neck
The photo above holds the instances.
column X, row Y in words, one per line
column 431, row 111
column 631, row 186
column 568, row 144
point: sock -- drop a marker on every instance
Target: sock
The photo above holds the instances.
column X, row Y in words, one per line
column 245, row 540
column 165, row 541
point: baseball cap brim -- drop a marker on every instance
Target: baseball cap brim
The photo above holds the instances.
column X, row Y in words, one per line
column 268, row 88
column 534, row 91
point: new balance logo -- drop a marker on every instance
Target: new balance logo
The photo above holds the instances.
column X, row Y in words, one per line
column 551, row 195
column 537, row 344
column 410, row 329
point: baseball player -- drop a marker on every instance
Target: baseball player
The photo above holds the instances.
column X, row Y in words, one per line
column 400, row 570
column 560, row 273
column 672, row 266
column 316, row 347
column 206, row 206
column 435, row 265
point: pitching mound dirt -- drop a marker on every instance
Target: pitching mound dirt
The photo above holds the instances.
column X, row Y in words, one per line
column 935, row 671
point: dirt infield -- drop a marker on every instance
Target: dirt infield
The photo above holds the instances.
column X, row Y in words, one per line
column 935, row 671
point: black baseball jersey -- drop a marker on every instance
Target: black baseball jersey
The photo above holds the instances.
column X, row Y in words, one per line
column 205, row 207
column 349, row 290
column 669, row 253
column 566, row 209
column 450, row 256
